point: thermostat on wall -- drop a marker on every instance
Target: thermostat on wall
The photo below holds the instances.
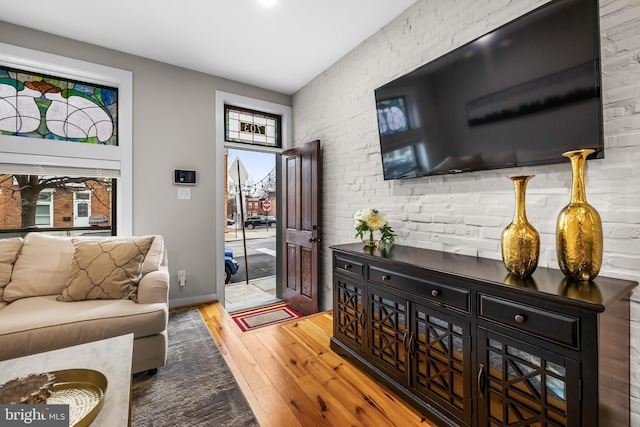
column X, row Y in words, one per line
column 184, row 177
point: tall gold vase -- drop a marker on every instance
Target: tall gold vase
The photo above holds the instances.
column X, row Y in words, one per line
column 520, row 241
column 579, row 228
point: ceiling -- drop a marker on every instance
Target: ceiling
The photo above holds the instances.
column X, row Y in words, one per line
column 280, row 47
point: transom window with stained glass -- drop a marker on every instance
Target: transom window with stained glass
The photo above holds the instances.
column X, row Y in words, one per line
column 251, row 127
column 45, row 107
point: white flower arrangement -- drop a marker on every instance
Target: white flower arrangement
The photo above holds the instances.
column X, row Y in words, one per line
column 370, row 220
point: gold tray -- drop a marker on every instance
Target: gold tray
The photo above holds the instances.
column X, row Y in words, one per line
column 83, row 390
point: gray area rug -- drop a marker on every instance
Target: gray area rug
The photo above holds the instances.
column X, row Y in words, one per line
column 195, row 387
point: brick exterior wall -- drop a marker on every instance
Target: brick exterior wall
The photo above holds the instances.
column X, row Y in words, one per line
column 250, row 207
column 62, row 207
column 9, row 210
column 466, row 213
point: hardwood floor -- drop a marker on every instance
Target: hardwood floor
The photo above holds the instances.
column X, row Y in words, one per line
column 291, row 377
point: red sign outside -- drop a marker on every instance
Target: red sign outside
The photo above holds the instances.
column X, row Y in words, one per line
column 266, row 205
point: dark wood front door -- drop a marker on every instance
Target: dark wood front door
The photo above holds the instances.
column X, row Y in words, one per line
column 301, row 225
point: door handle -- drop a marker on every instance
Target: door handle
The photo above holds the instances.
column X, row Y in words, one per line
column 405, row 341
column 412, row 343
column 481, row 381
column 315, row 240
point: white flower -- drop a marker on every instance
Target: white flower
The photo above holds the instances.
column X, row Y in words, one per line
column 362, row 215
column 373, row 218
column 376, row 221
column 368, row 220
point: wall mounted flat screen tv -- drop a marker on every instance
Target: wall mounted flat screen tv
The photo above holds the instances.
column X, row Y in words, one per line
column 520, row 95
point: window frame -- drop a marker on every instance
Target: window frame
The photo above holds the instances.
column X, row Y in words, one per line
column 253, row 113
column 48, row 203
column 71, row 158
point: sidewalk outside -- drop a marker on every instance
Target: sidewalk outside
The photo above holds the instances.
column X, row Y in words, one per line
column 259, row 292
column 232, row 234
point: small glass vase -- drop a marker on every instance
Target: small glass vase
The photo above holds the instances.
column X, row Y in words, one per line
column 579, row 227
column 520, row 241
column 371, row 239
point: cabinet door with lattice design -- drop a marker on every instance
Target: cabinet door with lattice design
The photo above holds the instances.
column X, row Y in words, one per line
column 388, row 335
column 440, row 354
column 348, row 318
column 524, row 385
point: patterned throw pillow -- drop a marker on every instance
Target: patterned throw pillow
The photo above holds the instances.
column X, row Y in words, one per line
column 109, row 269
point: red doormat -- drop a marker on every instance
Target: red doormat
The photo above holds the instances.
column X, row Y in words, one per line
column 264, row 316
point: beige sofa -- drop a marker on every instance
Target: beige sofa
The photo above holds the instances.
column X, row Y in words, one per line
column 57, row 292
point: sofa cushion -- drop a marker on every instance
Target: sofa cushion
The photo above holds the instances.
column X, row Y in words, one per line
column 155, row 257
column 9, row 250
column 34, row 325
column 109, row 269
column 41, row 268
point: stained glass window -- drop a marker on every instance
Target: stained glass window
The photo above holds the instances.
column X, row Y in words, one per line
column 251, row 127
column 45, row 107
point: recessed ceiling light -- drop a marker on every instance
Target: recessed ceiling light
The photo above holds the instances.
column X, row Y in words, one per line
column 267, row 3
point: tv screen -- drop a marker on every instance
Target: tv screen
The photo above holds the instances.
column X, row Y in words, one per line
column 520, row 95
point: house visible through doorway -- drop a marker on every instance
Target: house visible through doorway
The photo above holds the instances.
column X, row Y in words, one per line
column 252, row 204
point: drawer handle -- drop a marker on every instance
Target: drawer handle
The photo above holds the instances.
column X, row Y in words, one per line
column 385, row 278
column 520, row 318
column 435, row 293
column 347, row 266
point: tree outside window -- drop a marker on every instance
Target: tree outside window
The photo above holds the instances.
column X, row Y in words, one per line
column 32, row 202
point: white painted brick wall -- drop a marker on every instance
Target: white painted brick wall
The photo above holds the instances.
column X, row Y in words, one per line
column 466, row 213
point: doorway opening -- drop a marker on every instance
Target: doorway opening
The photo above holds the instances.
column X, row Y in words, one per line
column 250, row 237
column 236, row 132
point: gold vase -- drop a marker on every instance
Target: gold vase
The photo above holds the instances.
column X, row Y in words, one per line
column 521, row 282
column 579, row 228
column 520, row 241
column 371, row 239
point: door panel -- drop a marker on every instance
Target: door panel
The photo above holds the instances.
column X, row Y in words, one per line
column 388, row 333
column 306, row 273
column 290, row 263
column 82, row 208
column 290, row 192
column 307, row 193
column 520, row 384
column 442, row 360
column 349, row 322
column 301, row 225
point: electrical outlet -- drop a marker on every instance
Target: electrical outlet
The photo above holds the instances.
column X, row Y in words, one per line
column 182, row 277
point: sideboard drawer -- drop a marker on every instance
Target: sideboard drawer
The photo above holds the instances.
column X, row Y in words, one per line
column 348, row 265
column 548, row 324
column 427, row 289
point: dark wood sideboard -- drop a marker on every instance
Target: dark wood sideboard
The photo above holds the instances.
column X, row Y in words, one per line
column 467, row 345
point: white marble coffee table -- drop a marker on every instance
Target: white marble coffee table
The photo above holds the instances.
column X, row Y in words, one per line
column 111, row 356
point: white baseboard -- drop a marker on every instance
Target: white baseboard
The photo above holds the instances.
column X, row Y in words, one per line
column 179, row 302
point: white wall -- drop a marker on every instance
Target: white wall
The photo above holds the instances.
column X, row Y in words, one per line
column 466, row 213
column 173, row 128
